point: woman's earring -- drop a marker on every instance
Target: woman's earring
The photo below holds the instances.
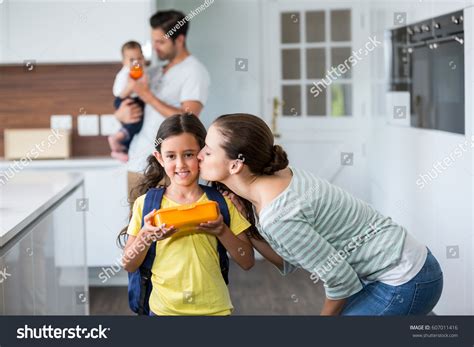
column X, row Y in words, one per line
column 241, row 158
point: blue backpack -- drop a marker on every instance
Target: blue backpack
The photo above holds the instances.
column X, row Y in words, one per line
column 139, row 282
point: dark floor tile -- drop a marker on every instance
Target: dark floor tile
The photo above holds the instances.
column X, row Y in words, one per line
column 259, row 291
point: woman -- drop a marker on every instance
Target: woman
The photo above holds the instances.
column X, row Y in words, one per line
column 369, row 264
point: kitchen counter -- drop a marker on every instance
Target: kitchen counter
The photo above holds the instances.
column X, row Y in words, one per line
column 83, row 162
column 27, row 195
column 105, row 184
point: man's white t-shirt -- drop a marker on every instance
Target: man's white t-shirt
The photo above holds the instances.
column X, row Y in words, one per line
column 187, row 81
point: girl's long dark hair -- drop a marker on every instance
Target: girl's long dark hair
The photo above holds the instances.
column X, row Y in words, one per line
column 154, row 175
column 252, row 231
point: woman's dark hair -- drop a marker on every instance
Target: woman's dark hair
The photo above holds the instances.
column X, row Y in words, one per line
column 154, row 174
column 248, row 138
column 170, row 20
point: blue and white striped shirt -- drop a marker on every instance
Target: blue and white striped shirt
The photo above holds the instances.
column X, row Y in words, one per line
column 321, row 228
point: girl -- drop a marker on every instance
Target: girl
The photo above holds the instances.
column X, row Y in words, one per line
column 369, row 264
column 186, row 277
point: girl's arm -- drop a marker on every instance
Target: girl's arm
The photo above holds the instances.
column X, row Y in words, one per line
column 268, row 253
column 260, row 245
column 239, row 246
column 137, row 247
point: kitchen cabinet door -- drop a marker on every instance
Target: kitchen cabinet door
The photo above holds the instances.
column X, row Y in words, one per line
column 70, row 255
column 106, row 213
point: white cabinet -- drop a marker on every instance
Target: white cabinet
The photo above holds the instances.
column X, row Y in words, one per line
column 105, row 205
column 107, row 214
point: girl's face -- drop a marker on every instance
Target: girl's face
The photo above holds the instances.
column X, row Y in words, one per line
column 213, row 161
column 179, row 159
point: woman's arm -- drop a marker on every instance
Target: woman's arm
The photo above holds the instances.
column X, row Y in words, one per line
column 332, row 307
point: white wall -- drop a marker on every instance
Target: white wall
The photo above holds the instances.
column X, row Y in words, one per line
column 70, row 31
column 230, row 29
column 440, row 214
column 226, row 30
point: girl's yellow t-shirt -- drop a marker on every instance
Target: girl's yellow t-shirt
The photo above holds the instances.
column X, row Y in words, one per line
column 186, row 274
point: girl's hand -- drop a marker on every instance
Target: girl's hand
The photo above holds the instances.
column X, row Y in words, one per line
column 150, row 233
column 215, row 227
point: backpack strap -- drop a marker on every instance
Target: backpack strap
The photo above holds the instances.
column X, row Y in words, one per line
column 214, row 195
column 152, row 201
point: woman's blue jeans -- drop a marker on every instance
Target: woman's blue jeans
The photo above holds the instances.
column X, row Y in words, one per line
column 416, row 297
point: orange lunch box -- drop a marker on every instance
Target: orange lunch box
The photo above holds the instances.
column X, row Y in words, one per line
column 187, row 216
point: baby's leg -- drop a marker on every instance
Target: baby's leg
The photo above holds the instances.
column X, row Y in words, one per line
column 119, row 151
column 115, row 141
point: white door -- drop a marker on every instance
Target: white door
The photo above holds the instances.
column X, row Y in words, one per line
column 314, row 92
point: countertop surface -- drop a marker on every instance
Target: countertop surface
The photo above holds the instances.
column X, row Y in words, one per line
column 27, row 195
column 82, row 162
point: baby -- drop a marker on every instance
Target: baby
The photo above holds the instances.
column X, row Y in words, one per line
column 132, row 59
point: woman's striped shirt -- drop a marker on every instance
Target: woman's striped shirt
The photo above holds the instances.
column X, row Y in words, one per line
column 323, row 229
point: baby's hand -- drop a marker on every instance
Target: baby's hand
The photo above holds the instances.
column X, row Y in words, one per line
column 150, row 233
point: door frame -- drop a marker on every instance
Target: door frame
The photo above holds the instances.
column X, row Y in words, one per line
column 271, row 63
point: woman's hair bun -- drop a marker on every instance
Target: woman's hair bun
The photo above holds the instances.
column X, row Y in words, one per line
column 279, row 161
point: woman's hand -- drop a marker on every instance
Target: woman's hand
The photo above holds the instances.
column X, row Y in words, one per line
column 215, row 227
column 150, row 233
column 238, row 203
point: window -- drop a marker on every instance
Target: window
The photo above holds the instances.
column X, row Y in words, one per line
column 316, row 77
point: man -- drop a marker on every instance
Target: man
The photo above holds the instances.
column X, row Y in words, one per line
column 180, row 86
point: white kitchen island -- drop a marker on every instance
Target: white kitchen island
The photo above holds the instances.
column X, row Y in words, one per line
column 43, row 267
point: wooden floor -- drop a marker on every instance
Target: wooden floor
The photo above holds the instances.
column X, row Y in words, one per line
column 260, row 291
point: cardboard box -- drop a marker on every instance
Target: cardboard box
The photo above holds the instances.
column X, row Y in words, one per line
column 37, row 143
